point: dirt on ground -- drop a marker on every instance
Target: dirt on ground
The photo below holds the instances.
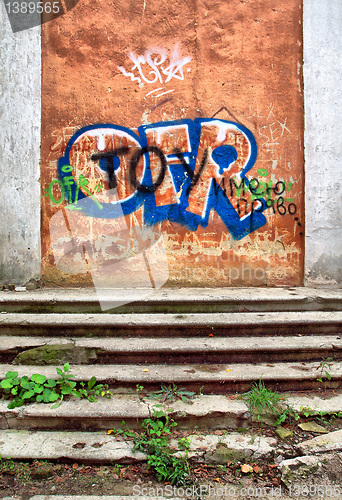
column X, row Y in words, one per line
column 75, row 479
column 235, row 479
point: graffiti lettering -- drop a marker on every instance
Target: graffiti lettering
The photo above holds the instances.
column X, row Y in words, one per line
column 176, row 170
column 155, row 60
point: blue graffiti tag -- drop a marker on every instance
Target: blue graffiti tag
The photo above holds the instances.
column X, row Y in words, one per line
column 186, row 170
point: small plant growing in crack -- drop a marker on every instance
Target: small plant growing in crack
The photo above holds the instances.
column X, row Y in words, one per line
column 288, row 414
column 91, row 390
column 139, row 388
column 170, row 393
column 124, row 431
column 322, row 416
column 39, row 389
column 6, row 464
column 167, row 465
column 324, row 367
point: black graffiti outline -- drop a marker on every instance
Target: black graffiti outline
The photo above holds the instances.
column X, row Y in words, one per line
column 141, row 188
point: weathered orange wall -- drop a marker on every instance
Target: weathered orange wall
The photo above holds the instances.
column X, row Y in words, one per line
column 244, row 65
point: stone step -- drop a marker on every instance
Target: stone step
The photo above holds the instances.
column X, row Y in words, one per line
column 99, row 446
column 205, row 411
column 176, row 350
column 165, row 325
column 210, row 378
column 94, row 447
column 185, row 300
column 209, row 411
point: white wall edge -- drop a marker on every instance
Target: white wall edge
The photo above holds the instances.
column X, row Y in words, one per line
column 20, row 111
column 322, row 36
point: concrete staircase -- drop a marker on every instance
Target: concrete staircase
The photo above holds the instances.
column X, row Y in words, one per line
column 214, row 342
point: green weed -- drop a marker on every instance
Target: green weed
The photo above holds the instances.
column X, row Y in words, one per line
column 157, row 429
column 324, row 368
column 117, row 468
column 124, row 431
column 287, row 414
column 155, row 443
column 91, row 390
column 37, row 388
column 322, row 416
column 171, row 393
column 169, row 467
column 6, row 464
column 184, row 443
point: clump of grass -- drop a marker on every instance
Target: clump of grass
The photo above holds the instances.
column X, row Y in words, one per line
column 263, row 401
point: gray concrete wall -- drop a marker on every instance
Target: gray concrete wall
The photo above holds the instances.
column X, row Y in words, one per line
column 20, row 63
column 323, row 144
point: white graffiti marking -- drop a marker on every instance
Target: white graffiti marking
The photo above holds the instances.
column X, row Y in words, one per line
column 161, row 63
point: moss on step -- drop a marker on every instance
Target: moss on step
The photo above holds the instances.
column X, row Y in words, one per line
column 57, row 354
column 300, row 468
column 283, row 433
column 42, row 472
column 222, row 455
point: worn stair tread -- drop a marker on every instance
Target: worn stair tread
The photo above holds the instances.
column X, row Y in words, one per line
column 101, row 447
column 186, row 373
column 207, row 411
column 127, row 406
column 210, row 412
column 92, row 446
column 41, row 295
column 55, row 320
column 174, row 294
column 132, row 406
column 180, row 344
